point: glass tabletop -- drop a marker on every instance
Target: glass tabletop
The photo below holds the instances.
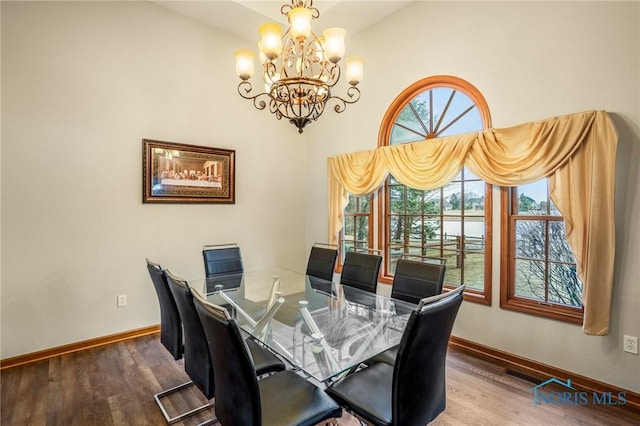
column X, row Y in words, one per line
column 320, row 326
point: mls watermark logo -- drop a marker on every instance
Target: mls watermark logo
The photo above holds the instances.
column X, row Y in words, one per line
column 571, row 396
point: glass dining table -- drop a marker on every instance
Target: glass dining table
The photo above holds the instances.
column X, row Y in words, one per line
column 321, row 327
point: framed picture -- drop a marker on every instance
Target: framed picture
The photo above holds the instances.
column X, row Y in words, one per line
column 179, row 173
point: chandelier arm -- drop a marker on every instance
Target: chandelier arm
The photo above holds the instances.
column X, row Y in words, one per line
column 334, row 73
column 307, row 4
column 270, row 72
column 245, row 88
column 354, row 95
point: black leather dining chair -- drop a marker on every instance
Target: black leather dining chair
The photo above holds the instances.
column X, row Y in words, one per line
column 322, row 262
column 170, row 324
column 416, row 280
column 412, row 392
column 222, row 259
column 197, row 359
column 412, row 282
column 360, row 270
column 171, row 336
column 283, row 398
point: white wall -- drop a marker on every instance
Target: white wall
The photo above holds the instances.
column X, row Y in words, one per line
column 531, row 61
column 82, row 84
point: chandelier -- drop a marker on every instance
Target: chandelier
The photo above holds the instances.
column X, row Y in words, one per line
column 299, row 68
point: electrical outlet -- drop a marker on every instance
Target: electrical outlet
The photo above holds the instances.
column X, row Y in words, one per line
column 630, row 344
column 122, row 300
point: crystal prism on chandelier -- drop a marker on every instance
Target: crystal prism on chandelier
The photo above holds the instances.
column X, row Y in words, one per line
column 300, row 69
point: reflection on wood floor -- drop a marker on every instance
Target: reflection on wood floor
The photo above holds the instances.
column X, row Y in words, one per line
column 114, row 385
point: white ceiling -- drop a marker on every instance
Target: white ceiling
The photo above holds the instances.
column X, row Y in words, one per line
column 242, row 18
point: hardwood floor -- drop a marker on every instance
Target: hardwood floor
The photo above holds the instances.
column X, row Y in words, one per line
column 114, row 385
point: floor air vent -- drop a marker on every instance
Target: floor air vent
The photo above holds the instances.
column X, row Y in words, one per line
column 524, row 377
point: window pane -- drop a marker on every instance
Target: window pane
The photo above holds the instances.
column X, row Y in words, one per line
column 396, row 230
column 440, row 96
column 558, row 248
column 396, row 196
column 564, row 286
column 458, row 118
column 400, row 135
column 452, row 231
column 432, row 203
column 474, row 234
column 454, row 266
column 351, row 206
column 530, row 279
column 355, row 232
column 452, row 200
column 421, row 106
column 431, row 231
column 363, row 229
column 532, row 198
column 409, row 126
column 364, row 204
column 474, row 198
column 414, row 201
column 349, row 227
column 530, row 239
column 415, row 230
column 474, row 270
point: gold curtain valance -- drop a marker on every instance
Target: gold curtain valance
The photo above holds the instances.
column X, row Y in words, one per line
column 576, row 152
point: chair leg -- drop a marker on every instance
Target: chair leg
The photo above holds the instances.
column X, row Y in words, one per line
column 182, row 416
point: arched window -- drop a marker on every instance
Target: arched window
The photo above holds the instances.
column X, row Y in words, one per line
column 451, row 224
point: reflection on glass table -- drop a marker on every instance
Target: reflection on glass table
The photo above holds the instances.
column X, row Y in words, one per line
column 321, row 327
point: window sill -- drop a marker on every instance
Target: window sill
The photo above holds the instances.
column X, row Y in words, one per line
column 551, row 311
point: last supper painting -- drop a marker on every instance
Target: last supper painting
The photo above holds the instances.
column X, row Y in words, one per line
column 182, row 173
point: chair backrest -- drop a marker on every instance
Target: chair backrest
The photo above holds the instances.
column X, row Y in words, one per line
column 197, row 360
column 222, row 260
column 419, row 390
column 170, row 323
column 322, row 262
column 427, row 300
column 416, row 280
column 239, row 404
column 361, row 270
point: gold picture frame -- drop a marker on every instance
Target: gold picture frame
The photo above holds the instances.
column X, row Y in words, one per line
column 181, row 173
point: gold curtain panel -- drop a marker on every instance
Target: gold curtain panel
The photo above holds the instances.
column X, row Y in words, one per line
column 576, row 152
